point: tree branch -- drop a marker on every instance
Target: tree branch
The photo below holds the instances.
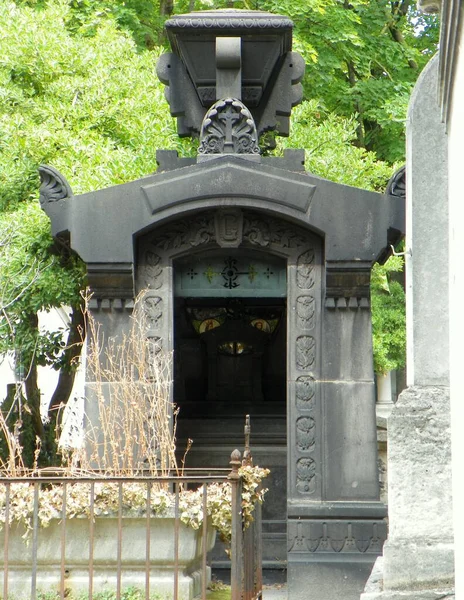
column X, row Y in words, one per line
column 66, row 378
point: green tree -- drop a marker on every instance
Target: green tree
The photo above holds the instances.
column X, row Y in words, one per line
column 388, row 316
column 86, row 103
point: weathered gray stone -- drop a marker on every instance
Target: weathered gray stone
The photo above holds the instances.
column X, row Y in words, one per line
column 418, row 556
column 419, row 550
column 374, row 589
column 427, row 237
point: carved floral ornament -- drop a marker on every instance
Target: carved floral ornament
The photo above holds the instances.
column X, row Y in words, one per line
column 53, row 185
column 255, row 229
column 228, row 128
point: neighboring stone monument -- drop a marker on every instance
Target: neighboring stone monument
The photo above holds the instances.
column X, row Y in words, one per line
column 257, row 275
column 417, row 560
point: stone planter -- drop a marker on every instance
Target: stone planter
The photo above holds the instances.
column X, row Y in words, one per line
column 105, row 565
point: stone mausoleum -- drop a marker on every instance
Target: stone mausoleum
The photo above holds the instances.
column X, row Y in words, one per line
column 257, row 276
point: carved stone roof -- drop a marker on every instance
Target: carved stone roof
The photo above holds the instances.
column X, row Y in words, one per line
column 267, row 71
column 234, row 19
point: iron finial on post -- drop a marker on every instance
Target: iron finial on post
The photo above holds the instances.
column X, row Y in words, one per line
column 235, row 463
column 247, row 458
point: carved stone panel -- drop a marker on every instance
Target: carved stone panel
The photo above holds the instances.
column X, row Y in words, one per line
column 305, row 352
column 305, row 388
column 228, row 127
column 306, row 475
column 305, row 433
column 153, row 311
column 305, row 310
column 305, row 276
column 153, row 272
column 229, row 227
column 187, row 232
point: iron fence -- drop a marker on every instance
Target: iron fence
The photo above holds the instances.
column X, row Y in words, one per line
column 134, row 560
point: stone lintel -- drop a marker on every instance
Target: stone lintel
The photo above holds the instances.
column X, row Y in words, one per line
column 348, row 280
column 331, row 559
column 111, row 280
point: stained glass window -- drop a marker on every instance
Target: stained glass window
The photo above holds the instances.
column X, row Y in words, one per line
column 231, row 274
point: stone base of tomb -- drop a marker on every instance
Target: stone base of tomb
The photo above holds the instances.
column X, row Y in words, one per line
column 332, row 558
column 375, row 590
column 418, row 556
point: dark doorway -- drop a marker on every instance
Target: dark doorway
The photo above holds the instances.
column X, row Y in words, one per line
column 230, row 360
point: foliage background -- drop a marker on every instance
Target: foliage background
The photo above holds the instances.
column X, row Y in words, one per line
column 78, row 90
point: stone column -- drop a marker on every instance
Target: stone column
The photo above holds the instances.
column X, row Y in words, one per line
column 418, row 555
column 336, row 534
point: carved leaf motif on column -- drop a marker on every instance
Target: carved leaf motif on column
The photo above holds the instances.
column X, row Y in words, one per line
column 153, row 309
column 305, row 311
column 305, row 433
column 154, row 346
column 306, row 475
column 305, row 352
column 153, row 271
column 305, row 276
column 305, row 387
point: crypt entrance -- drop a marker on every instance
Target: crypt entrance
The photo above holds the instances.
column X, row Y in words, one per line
column 230, row 334
column 235, row 295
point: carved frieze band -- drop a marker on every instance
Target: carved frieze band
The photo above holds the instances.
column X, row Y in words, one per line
column 354, row 537
column 249, row 21
column 255, row 230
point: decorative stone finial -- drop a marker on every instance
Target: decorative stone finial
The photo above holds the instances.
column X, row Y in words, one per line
column 397, row 184
column 228, row 128
column 53, row 185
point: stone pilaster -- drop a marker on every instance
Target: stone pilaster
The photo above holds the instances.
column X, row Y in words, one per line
column 418, row 556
